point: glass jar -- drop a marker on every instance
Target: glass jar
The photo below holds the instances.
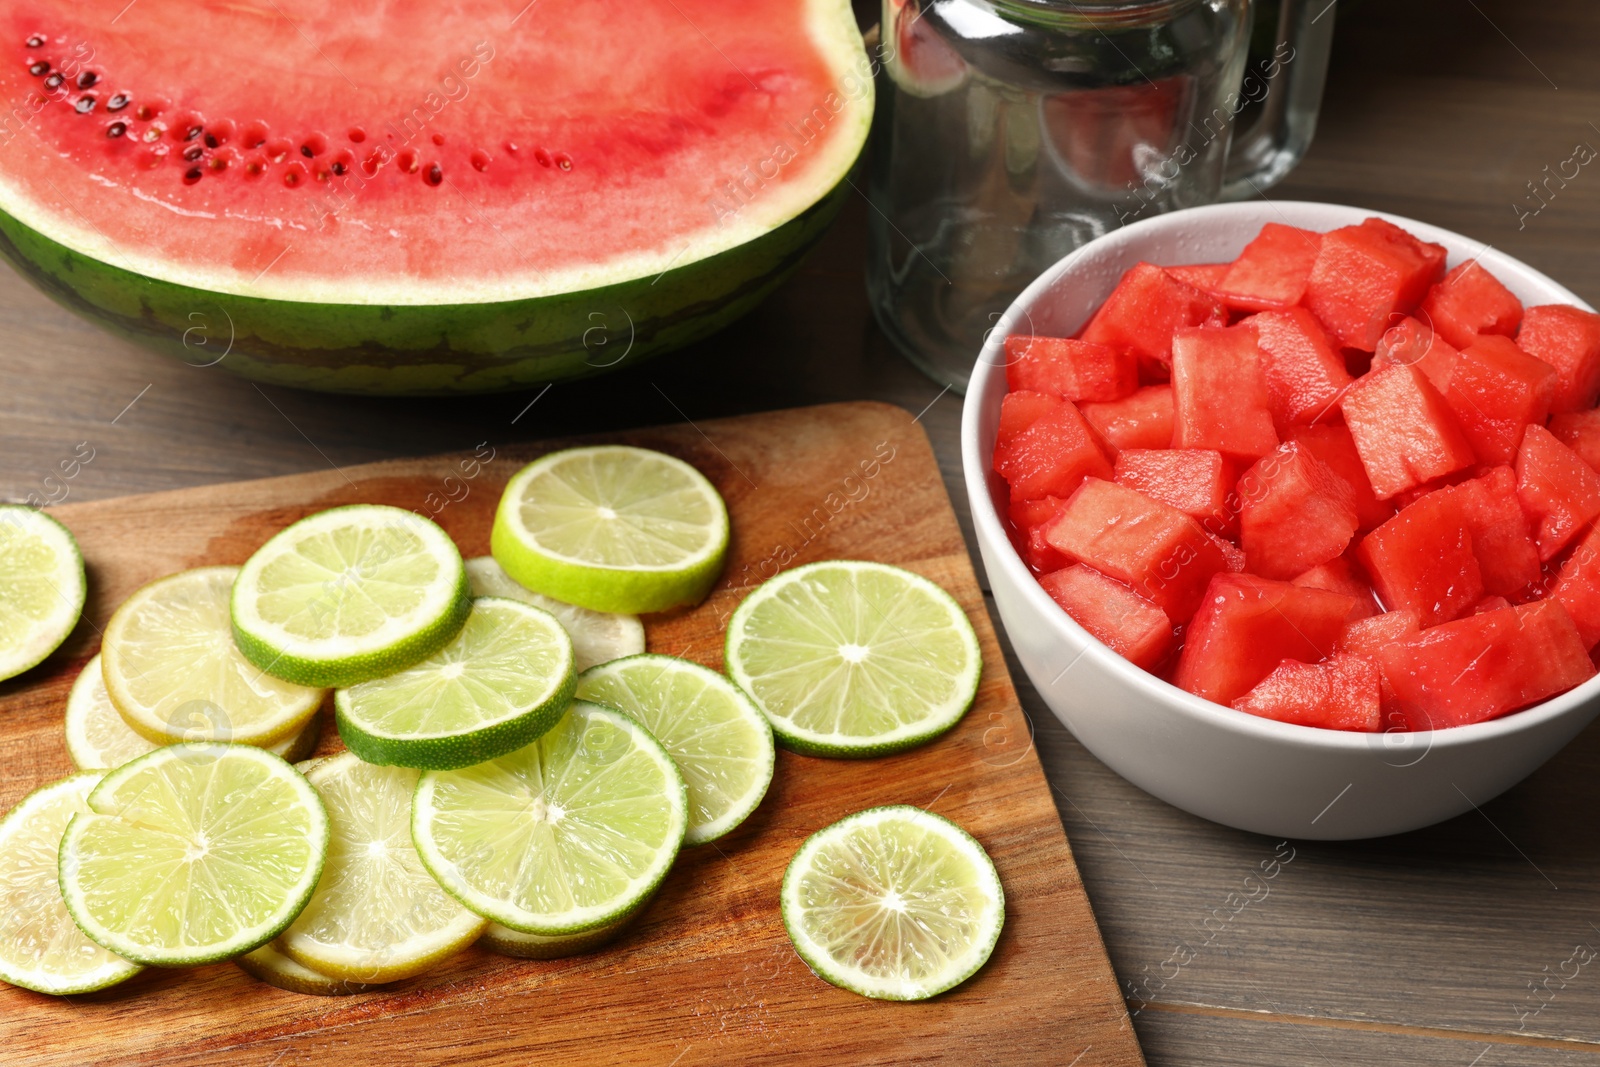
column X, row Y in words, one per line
column 1010, row 132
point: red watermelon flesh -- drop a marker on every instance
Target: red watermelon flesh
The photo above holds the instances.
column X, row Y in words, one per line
column 1028, row 520
column 1557, row 489
column 1020, row 409
column 1143, row 420
column 1567, row 338
column 1247, row 625
column 1340, row 575
column 1410, row 342
column 1483, row 666
column 1495, row 390
column 1404, row 430
column 1145, row 309
column 1364, row 637
column 1491, row 511
column 1305, row 374
column 1272, row 271
column 1422, row 560
column 1577, row 586
column 428, row 153
column 1490, row 603
column 1579, row 431
column 1114, row 614
column 1073, row 370
column 1196, row 482
column 1203, row 276
column 1332, row 443
column 1219, row 392
column 1367, row 274
column 1340, row 693
column 1051, row 456
column 1294, row 513
column 1470, row 301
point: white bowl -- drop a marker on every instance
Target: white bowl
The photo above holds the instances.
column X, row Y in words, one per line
column 1224, row 765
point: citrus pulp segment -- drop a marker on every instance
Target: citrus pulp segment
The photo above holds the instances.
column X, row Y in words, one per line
column 849, row 658
column 174, row 673
column 893, row 903
column 350, row 594
column 569, row 834
column 193, row 853
column 41, row 948
column 597, row 636
column 720, row 741
column 612, row 528
column 42, row 587
column 501, row 682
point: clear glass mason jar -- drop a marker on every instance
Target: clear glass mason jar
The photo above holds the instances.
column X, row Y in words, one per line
column 1010, row 132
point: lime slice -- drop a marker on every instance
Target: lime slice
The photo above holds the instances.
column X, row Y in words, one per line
column 572, row 833
column 893, row 903
column 350, row 594
column 196, row 852
column 40, row 946
column 270, row 965
column 42, row 587
column 854, row 659
column 377, row 915
column 509, row 942
column 597, row 636
column 503, row 681
column 719, row 739
column 612, row 528
column 99, row 740
column 173, row 671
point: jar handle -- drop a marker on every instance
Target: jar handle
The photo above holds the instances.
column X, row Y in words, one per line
column 1288, row 83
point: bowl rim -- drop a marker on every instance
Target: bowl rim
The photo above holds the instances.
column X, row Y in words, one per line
column 988, row 381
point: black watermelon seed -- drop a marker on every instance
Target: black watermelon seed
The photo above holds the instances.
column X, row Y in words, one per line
column 193, row 153
column 39, row 68
column 305, row 150
column 211, row 140
column 87, row 78
column 84, row 105
column 338, row 167
column 117, row 102
column 36, row 41
column 116, row 129
column 53, row 82
column 193, row 132
column 192, row 175
column 435, row 175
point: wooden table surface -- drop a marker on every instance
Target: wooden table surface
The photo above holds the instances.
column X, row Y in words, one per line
column 1476, row 942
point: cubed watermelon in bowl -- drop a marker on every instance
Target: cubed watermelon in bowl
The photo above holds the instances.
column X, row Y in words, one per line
column 1298, row 755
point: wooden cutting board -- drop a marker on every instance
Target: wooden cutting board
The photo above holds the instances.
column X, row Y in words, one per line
column 708, row 975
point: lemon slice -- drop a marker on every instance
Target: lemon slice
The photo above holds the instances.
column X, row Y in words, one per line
column 570, row 834
column 597, row 636
column 854, row 659
column 719, row 739
column 42, row 587
column 173, row 672
column 268, row 964
column 40, row 946
column 350, row 594
column 377, row 915
column 612, row 528
column 193, row 853
column 503, row 681
column 893, row 903
column 99, row 740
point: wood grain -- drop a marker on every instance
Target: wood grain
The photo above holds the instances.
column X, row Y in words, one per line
column 708, row 976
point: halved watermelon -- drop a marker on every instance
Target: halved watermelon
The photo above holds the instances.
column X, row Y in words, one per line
column 423, row 197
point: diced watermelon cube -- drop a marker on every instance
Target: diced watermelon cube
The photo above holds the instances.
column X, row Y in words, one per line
column 1305, row 373
column 1195, row 481
column 1567, row 338
column 1579, row 431
column 1411, row 343
column 1143, row 420
column 1332, row 443
column 1219, row 392
column 1146, row 308
column 1577, row 586
column 1488, row 506
column 1019, row 410
column 1028, row 520
column 1203, row 276
column 1364, row 637
column 1470, row 301
column 1271, row 272
column 1495, row 390
column 1114, row 615
column 1232, row 555
column 1294, row 513
column 1422, row 561
column 1340, row 575
column 1490, row 603
column 1247, row 625
column 1051, row 456
column 1155, row 548
column 1341, row 693
column 1074, row 370
column 1557, row 489
column 1365, row 275
column 1403, row 430
column 1483, row 666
